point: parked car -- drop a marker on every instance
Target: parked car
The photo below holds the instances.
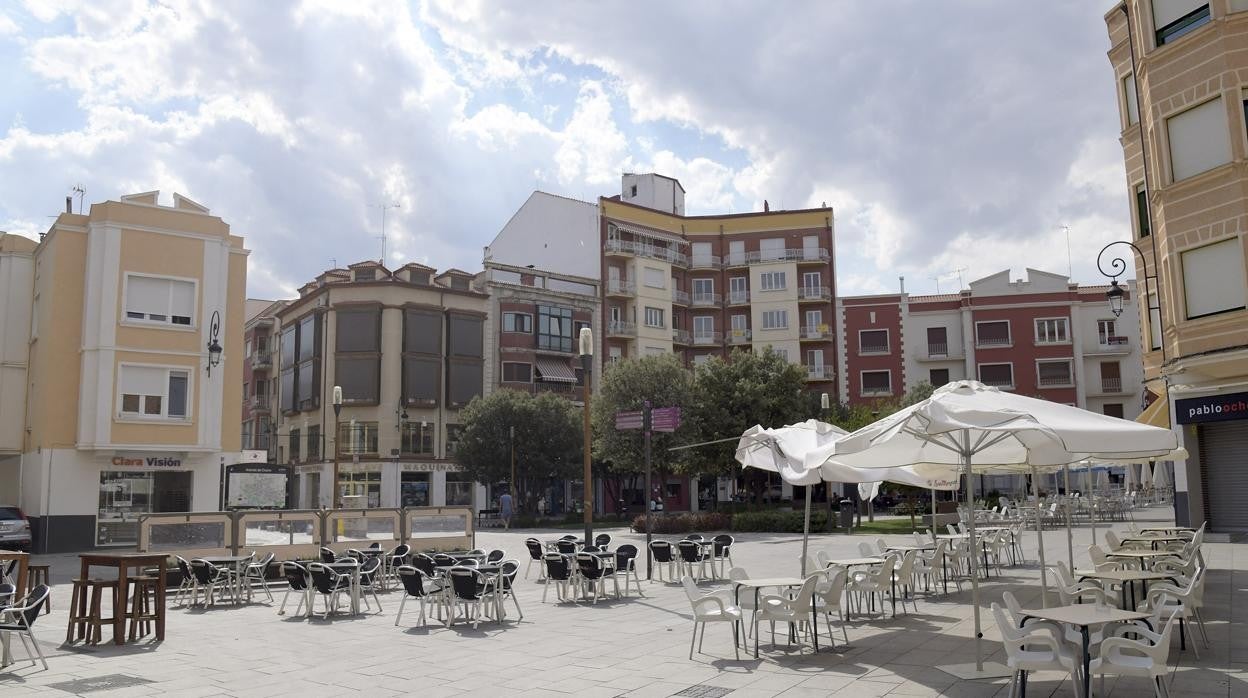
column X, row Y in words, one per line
column 14, row 529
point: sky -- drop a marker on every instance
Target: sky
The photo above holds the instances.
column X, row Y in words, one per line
column 952, row 139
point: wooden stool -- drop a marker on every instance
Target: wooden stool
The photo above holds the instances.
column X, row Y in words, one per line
column 36, row 575
column 84, row 623
column 142, row 605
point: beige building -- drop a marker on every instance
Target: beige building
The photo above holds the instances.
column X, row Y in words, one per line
column 1181, row 74
column 407, row 349
column 17, row 268
column 128, row 411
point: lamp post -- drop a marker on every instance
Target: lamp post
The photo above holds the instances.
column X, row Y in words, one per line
column 214, row 347
column 337, row 437
column 1115, row 294
column 512, row 443
column 587, row 359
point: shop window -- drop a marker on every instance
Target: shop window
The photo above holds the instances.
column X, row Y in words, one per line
column 414, row 490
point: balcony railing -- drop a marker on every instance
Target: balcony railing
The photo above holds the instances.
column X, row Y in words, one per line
column 1055, row 381
column 736, row 259
column 680, row 297
column 873, row 349
column 992, row 341
column 738, row 297
column 818, row 373
column 876, row 390
column 681, row 336
column 814, row 293
column 998, row 382
column 1111, row 385
column 261, row 360
column 938, row 348
column 259, row 403
column 815, row 332
column 704, row 261
column 705, row 338
column 620, row 328
column 642, row 249
column 704, row 298
column 1113, row 345
column 740, row 336
column 620, row 287
column 789, row 254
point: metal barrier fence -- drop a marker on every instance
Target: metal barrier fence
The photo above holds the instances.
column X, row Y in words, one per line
column 300, row 533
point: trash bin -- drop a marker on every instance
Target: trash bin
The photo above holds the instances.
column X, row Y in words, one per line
column 847, row 514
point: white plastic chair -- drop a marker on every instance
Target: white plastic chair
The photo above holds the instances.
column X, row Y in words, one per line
column 866, row 549
column 903, row 580
column 796, row 611
column 929, row 565
column 1145, row 657
column 873, row 582
column 829, row 593
column 1168, row 598
column 1072, row 592
column 709, row 608
column 1038, row 649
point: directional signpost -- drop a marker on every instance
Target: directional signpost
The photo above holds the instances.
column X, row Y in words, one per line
column 664, row 419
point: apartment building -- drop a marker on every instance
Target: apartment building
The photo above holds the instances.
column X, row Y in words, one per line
column 135, row 318
column 1180, row 70
column 406, row 347
column 260, row 335
column 699, row 286
column 17, row 269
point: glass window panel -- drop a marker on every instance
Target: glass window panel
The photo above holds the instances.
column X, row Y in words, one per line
column 359, row 329
column 422, row 332
column 177, row 393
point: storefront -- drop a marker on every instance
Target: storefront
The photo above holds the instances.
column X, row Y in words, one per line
column 1215, row 433
column 388, row 484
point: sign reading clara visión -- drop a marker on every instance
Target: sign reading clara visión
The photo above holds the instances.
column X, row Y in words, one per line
column 147, row 461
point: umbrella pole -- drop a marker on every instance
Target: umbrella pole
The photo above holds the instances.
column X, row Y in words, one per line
column 1070, row 536
column 806, row 530
column 1091, row 507
column 974, row 545
column 933, row 508
column 1044, row 577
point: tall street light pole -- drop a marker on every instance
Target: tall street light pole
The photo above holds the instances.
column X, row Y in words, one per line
column 337, row 437
column 587, row 362
column 514, row 490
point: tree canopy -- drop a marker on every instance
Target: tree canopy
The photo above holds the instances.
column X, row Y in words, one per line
column 626, row 385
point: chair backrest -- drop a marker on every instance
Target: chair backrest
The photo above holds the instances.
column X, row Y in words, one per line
column 1015, row 610
column 327, row 555
column 624, row 556
column 570, row 536
column 295, row 574
column 401, row 552
column 886, row 569
column 602, row 540
column 324, row 579
column 951, row 529
column 690, row 551
column 376, row 545
column 536, row 551
column 1112, row 540
column 590, row 565
column 442, row 560
column 1097, row 555
column 477, row 551
column 203, row 571
column 806, row 594
column 693, row 536
column 591, row 548
column 468, row 562
column 738, row 574
column 1011, row 635
column 557, row 567
column 507, row 572
column 662, row 550
column 1063, row 573
column 465, row 583
column 355, row 554
column 866, row 549
column 33, row 604
column 566, row 546
column 183, row 566
column 722, row 543
column 495, row 556
column 823, row 558
column 424, row 563
column 369, row 568
column 906, row 568
column 833, row 587
column 413, row 581
column 691, row 589
column 812, row 563
column 7, row 593
column 881, row 545
column 918, row 539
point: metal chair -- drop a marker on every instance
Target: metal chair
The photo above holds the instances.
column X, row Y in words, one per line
column 22, row 617
column 417, row 585
column 536, row 551
column 559, row 571
column 297, row 581
column 626, row 566
column 259, row 572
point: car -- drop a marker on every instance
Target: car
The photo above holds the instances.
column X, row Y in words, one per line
column 14, row 529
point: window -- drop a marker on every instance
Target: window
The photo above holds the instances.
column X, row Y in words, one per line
column 158, row 300
column 357, row 363
column 518, row 322
column 1199, row 140
column 812, row 282
column 1107, row 333
column 997, row 375
column 1111, row 377
column 738, row 289
column 1143, row 225
column 1052, row 331
column 813, row 324
column 782, row 353
column 814, row 359
column 1175, row 18
column 554, row 328
column 1113, row 409
column 739, row 323
column 656, row 351
column 295, row 440
column 300, row 365
column 463, row 381
column 632, row 190
column 1154, row 322
column 247, row 349
column 877, row 382
column 654, row 278
column 246, row 387
column 938, row 377
column 994, row 333
column 938, row 343
column 466, row 333
column 1132, row 108
column 703, row 290
column 771, row 249
column 516, row 372
column 1213, row 278
column 654, row 317
column 417, row 438
column 314, row 442
column 873, row 341
column 359, row 378
column 771, row 281
column 701, row 254
column 356, row 437
column 1054, row 374
column 614, row 354
column 703, row 326
column 248, row 444
column 775, row 319
column 153, row 392
column 736, row 252
column 366, row 274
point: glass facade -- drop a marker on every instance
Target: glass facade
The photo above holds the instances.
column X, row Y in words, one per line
column 126, row 495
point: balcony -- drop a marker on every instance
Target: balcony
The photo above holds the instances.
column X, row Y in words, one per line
column 1056, row 382
column 869, row 349
column 704, row 261
column 941, row 351
column 681, row 337
column 706, row 299
column 876, row 391
column 992, row 342
column 620, row 328
column 1111, row 385
column 259, row 403
column 816, row 332
column 1003, row 383
column 620, row 287
column 261, row 360
column 818, row 373
column 738, row 298
column 643, row 249
column 1120, row 346
column 802, row 256
column 707, row 338
column 807, row 294
column 740, row 336
column 736, row 259
column 680, row 297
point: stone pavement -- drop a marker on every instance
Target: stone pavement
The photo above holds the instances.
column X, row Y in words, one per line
column 632, row 647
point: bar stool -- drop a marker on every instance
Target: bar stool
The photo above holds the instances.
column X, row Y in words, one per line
column 85, row 621
column 142, row 605
column 36, row 575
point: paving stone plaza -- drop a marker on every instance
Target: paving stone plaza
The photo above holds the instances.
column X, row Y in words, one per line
column 636, row 646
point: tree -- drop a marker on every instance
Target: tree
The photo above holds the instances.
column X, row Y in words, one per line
column 548, row 440
column 626, row 386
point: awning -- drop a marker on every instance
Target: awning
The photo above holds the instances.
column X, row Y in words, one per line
column 1157, row 414
column 556, row 370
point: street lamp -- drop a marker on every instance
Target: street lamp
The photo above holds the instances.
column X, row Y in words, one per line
column 214, row 347
column 337, row 440
column 511, row 439
column 1118, row 265
column 587, row 360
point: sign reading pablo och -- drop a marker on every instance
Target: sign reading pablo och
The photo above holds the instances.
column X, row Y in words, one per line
column 139, row 461
column 1211, row 408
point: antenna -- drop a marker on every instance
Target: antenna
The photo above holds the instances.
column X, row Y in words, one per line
column 937, row 280
column 1068, row 270
column 81, row 193
column 384, row 208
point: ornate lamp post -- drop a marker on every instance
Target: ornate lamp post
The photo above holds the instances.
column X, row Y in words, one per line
column 587, row 361
column 1115, row 294
column 337, row 438
column 214, row 347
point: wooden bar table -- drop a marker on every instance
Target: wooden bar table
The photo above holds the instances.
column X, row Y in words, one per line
column 23, row 562
column 123, row 562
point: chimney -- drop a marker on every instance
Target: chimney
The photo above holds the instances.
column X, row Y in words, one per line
column 766, row 206
column 69, row 204
column 902, row 281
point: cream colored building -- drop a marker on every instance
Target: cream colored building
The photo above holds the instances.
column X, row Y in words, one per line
column 1181, row 73
column 126, row 413
column 17, row 268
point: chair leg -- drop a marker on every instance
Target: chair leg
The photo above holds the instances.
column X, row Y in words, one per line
column 693, row 638
column 401, row 605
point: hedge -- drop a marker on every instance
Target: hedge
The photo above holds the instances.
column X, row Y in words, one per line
column 683, row 523
column 777, row 521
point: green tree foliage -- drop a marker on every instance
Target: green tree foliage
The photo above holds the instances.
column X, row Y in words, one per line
column 626, row 385
column 548, row 439
column 734, row 395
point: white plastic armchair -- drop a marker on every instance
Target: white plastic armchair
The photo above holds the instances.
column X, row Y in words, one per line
column 1034, row 649
column 1072, row 592
column 874, row 581
column 1101, row 562
column 709, row 608
column 1146, row 657
column 795, row 611
column 1166, row 598
column 828, row 596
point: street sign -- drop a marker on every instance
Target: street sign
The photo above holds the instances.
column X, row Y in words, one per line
column 628, row 420
column 665, row 419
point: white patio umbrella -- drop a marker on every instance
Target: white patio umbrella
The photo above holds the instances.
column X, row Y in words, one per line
column 1161, row 478
column 1146, row 475
column 1132, row 477
column 971, row 427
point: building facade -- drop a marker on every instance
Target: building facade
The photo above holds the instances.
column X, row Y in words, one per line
column 407, row 349
column 17, row 272
column 128, row 412
column 1181, row 74
column 260, row 335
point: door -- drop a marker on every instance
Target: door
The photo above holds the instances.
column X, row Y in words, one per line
column 703, row 327
column 1111, row 377
column 810, row 247
column 811, row 283
column 1223, row 453
column 772, row 249
column 736, row 252
column 738, row 289
column 615, row 313
column 814, row 320
column 613, row 278
column 171, row 492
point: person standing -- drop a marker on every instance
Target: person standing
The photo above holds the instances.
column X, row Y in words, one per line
column 505, row 509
